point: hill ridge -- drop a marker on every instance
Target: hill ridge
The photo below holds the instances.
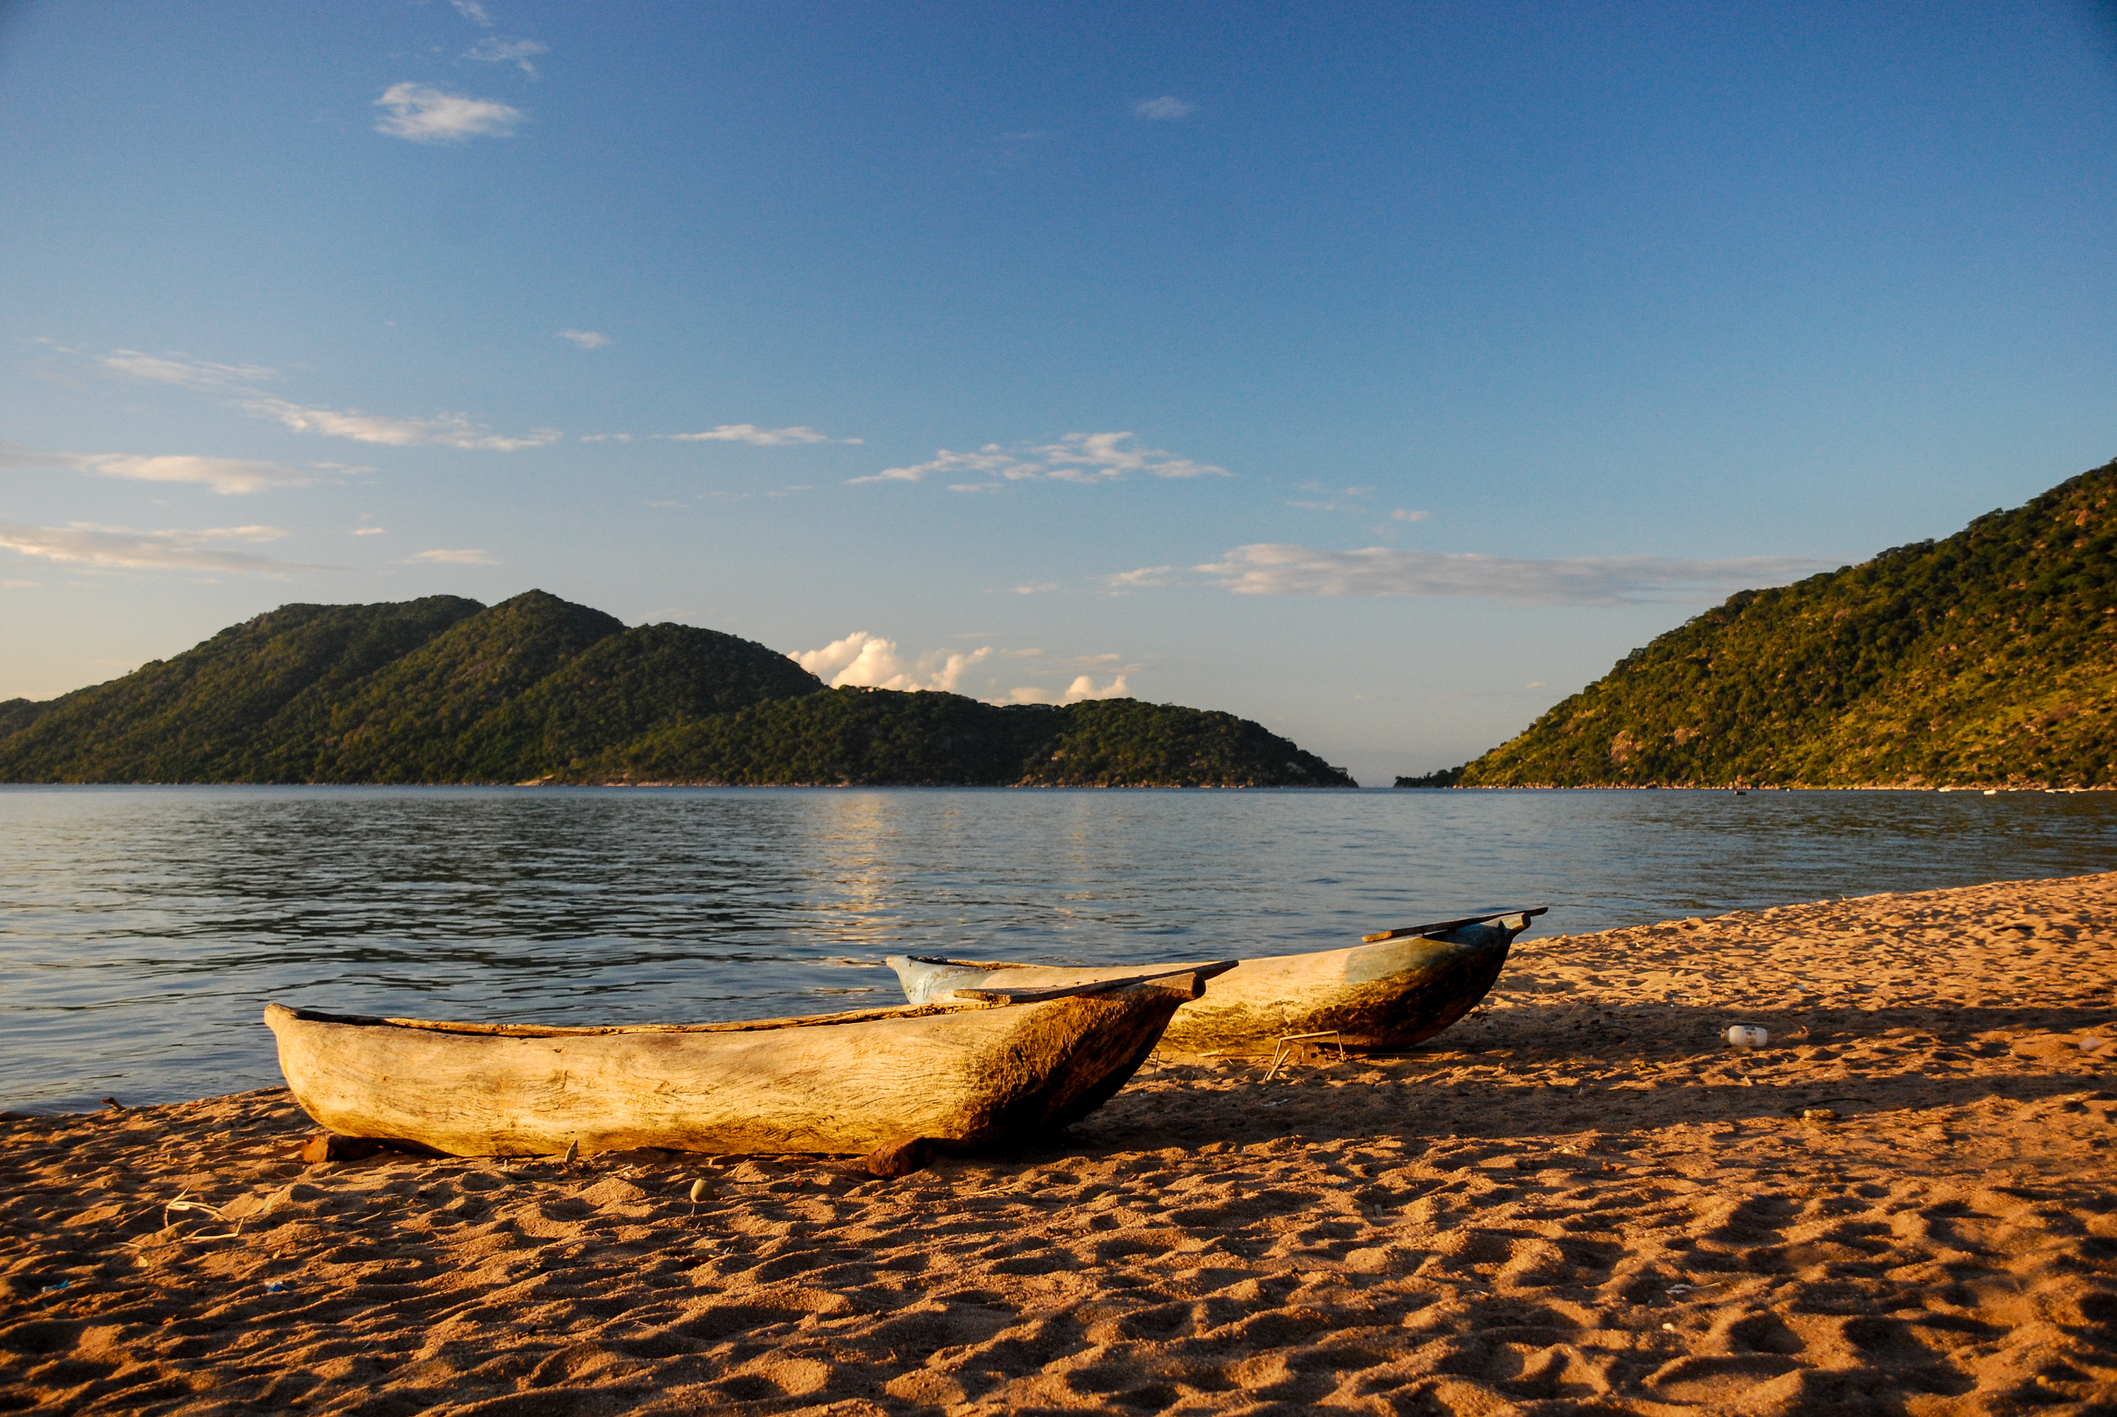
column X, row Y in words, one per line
column 1986, row 658
column 538, row 689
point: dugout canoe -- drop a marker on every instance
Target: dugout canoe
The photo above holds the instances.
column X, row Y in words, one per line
column 1004, row 1065
column 1395, row 990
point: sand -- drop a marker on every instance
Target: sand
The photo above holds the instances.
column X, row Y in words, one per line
column 1577, row 1200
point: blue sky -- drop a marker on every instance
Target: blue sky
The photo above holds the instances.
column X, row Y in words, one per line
column 1382, row 373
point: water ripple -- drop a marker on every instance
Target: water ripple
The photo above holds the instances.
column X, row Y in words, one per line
column 143, row 929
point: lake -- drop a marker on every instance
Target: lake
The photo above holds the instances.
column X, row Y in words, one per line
column 142, row 930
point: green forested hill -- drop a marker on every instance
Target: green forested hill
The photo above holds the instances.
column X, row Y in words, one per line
column 1988, row 658
column 536, row 688
column 878, row 736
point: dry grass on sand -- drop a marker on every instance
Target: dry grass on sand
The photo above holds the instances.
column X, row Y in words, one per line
column 1577, row 1201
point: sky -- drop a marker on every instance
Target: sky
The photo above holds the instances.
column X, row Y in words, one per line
column 1382, row 373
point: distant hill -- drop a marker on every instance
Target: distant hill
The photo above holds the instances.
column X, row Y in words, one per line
column 446, row 690
column 876, row 736
column 1989, row 658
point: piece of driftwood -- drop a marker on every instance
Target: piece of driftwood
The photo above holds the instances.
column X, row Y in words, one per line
column 329, row 1146
column 900, row 1158
column 1393, row 993
column 958, row 1074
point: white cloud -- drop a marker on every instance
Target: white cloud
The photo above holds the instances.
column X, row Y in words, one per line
column 1404, row 514
column 1077, row 457
column 448, row 431
column 425, row 115
column 869, row 661
column 586, row 339
column 494, row 50
column 456, row 558
column 1381, row 570
column 453, row 430
column 369, row 531
column 1034, row 587
column 187, row 373
column 1330, row 496
column 988, row 459
column 1084, row 457
column 1082, row 688
column 474, row 12
column 226, row 476
column 85, row 543
column 751, row 433
column 604, row 438
column 223, row 475
column 1164, row 109
column 1145, row 578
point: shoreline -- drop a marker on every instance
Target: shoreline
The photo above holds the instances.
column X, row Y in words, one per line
column 1576, row 1198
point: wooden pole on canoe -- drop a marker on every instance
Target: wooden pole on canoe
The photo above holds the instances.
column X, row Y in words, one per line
column 1442, row 927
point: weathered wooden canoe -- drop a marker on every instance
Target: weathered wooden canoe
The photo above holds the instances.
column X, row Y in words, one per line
column 1396, row 991
column 1009, row 1065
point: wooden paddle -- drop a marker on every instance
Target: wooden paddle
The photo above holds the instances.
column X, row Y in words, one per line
column 1442, row 927
column 1094, row 986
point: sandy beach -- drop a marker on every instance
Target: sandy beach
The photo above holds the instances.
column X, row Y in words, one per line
column 1577, row 1200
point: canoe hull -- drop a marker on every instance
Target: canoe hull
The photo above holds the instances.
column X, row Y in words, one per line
column 963, row 1077
column 1391, row 995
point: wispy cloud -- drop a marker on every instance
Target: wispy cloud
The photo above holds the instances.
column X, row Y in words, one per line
column 227, row 476
column 586, row 339
column 1382, row 570
column 223, row 475
column 1164, row 109
column 1333, row 499
column 869, row 661
column 84, row 543
column 369, row 531
column 493, row 49
column 1145, row 578
column 474, row 12
column 1405, row 514
column 455, row 557
column 183, row 372
column 761, row 437
column 425, row 115
column 452, row 430
column 1077, row 457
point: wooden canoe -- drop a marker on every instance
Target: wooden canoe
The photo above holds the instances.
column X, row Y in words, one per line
column 1011, row 1065
column 1396, row 992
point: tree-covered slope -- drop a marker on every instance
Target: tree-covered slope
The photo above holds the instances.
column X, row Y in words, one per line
column 1987, row 658
column 216, row 712
column 409, row 722
column 879, row 737
column 536, row 688
column 619, row 688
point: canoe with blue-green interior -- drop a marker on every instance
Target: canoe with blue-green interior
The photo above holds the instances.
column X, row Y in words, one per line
column 1394, row 990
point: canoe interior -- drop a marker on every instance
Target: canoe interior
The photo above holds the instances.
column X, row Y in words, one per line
column 1386, row 996
column 965, row 1076
column 542, row 1030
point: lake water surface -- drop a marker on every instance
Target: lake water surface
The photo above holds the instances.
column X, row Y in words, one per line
column 142, row 930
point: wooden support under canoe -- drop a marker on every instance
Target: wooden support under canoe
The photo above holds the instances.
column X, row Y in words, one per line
column 1394, row 993
column 963, row 1075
